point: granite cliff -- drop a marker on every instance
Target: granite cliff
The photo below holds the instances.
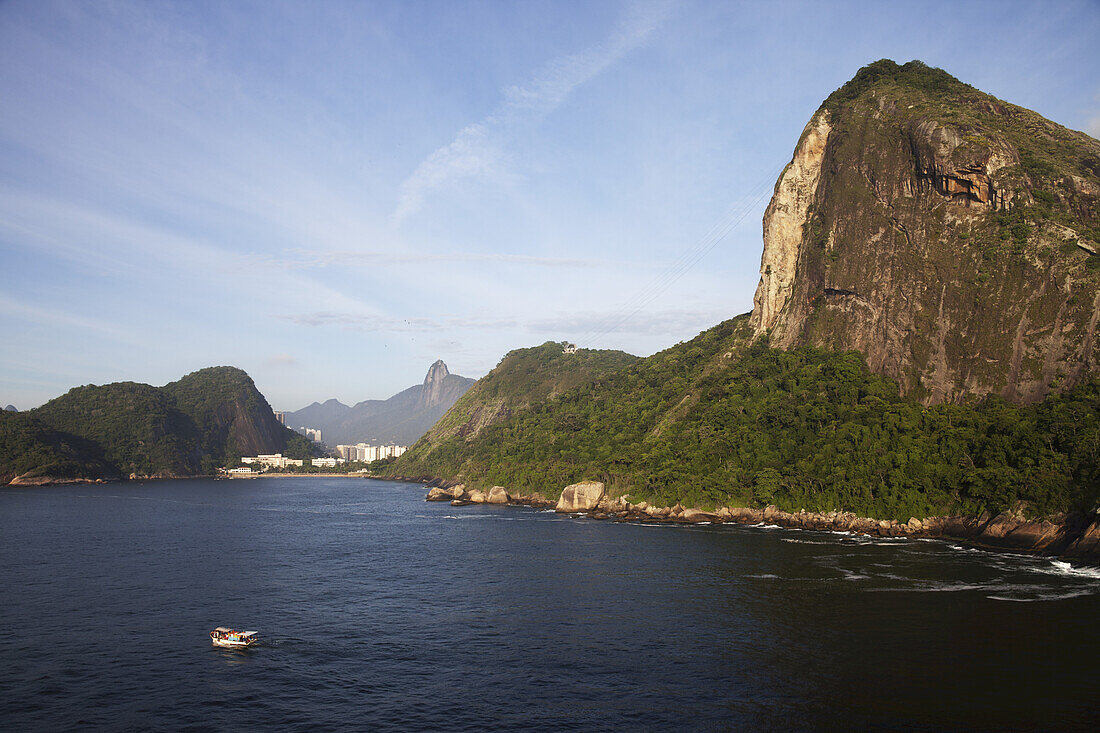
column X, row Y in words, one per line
column 947, row 235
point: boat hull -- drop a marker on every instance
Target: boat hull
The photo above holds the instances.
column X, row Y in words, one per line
column 232, row 644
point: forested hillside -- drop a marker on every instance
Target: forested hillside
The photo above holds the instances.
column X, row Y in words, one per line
column 717, row 421
column 923, row 338
column 205, row 420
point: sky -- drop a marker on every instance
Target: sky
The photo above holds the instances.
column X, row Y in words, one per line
column 333, row 195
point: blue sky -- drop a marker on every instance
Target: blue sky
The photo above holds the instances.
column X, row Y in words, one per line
column 333, row 195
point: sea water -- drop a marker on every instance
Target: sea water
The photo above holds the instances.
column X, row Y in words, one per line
column 379, row 611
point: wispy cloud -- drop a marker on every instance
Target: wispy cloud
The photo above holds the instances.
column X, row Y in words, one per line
column 52, row 318
column 1094, row 127
column 307, row 259
column 369, row 322
column 477, row 149
column 669, row 321
column 282, row 360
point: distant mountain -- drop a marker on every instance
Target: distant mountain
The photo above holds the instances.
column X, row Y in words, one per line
column 318, row 415
column 188, row 427
column 401, row 419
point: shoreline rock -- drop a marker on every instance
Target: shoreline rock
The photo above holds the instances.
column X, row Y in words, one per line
column 581, row 497
column 1069, row 536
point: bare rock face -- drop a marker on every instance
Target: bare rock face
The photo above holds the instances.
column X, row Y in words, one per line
column 1089, row 541
column 946, row 235
column 783, row 223
column 697, row 515
column 434, row 380
column 497, row 495
column 581, row 497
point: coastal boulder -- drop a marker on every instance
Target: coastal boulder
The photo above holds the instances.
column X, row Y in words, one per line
column 580, row 497
column 1035, row 535
column 497, row 495
column 1089, row 541
column 477, row 496
column 697, row 515
column 438, row 494
column 746, row 515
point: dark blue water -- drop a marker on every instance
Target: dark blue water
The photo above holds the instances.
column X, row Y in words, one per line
column 380, row 611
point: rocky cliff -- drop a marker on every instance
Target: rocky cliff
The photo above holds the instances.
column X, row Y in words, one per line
column 434, row 390
column 949, row 236
column 233, row 418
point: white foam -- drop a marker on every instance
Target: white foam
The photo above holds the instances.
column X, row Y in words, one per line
column 1064, row 568
column 1042, row 597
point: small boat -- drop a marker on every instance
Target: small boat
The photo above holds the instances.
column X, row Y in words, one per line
column 222, row 636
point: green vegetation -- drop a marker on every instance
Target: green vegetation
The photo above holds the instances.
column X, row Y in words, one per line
column 524, row 377
column 188, row 427
column 715, row 421
column 211, row 398
column 28, row 447
column 914, row 75
column 139, row 427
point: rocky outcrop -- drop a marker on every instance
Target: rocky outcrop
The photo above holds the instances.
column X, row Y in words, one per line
column 946, row 235
column 580, row 497
column 52, row 481
column 433, row 390
column 1073, row 536
column 1088, row 542
column 439, row 493
column 958, row 166
column 459, row 496
column 784, row 221
column 497, row 495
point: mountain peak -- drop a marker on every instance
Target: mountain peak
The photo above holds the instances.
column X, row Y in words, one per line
column 914, row 75
column 943, row 233
column 436, row 372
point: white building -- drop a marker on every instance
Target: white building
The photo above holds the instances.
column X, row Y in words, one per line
column 367, row 453
column 275, row 460
column 327, row 462
column 313, row 434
